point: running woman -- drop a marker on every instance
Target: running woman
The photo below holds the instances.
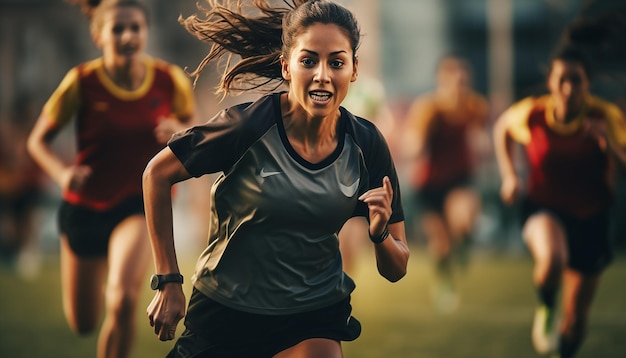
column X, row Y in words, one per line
column 443, row 138
column 123, row 105
column 571, row 139
column 296, row 166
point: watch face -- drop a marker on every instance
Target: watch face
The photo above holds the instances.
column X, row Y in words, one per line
column 154, row 282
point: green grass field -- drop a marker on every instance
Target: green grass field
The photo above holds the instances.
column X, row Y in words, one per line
column 398, row 319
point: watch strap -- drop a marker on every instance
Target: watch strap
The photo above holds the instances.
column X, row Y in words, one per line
column 382, row 237
column 158, row 280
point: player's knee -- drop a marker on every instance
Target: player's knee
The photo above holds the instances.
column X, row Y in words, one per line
column 556, row 261
column 121, row 303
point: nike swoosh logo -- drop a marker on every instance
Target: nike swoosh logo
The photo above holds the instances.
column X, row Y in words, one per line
column 349, row 190
column 264, row 174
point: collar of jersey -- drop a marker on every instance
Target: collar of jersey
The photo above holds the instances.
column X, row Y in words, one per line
column 562, row 127
column 341, row 133
column 124, row 94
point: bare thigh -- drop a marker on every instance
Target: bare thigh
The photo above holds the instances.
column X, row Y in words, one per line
column 545, row 237
column 437, row 234
column 313, row 348
column 82, row 284
column 129, row 258
column 461, row 208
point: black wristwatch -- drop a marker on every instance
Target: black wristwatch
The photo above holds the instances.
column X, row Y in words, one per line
column 157, row 281
column 383, row 236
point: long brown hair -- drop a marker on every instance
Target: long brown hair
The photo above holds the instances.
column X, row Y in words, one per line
column 259, row 41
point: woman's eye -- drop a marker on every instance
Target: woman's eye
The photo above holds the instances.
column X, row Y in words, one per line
column 118, row 29
column 307, row 62
column 336, row 63
column 135, row 28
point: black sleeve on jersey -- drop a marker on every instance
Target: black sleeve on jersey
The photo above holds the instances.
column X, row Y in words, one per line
column 378, row 161
column 217, row 144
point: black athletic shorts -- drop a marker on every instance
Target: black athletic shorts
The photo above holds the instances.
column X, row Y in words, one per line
column 88, row 231
column 216, row 331
column 433, row 199
column 588, row 240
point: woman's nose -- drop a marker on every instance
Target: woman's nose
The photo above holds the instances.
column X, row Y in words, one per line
column 321, row 74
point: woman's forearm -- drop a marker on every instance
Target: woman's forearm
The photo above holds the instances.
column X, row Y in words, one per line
column 160, row 174
column 503, row 148
column 392, row 255
column 39, row 149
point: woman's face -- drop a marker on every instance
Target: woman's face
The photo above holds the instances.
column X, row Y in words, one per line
column 319, row 69
column 123, row 35
column 568, row 84
column 453, row 74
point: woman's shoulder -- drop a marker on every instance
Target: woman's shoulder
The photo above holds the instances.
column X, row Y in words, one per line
column 263, row 106
column 77, row 73
column 251, row 115
column 603, row 107
column 83, row 69
column 526, row 105
column 359, row 123
column 532, row 101
column 364, row 132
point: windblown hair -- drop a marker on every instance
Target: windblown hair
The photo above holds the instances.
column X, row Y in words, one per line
column 260, row 41
column 598, row 31
column 95, row 9
column 572, row 54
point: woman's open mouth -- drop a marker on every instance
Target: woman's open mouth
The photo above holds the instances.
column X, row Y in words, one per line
column 320, row 96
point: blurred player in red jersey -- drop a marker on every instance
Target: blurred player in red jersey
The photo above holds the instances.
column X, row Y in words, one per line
column 126, row 105
column 443, row 128
column 571, row 139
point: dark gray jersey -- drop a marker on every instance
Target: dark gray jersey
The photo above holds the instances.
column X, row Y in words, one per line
column 272, row 246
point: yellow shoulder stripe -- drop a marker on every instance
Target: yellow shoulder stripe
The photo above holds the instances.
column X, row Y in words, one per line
column 64, row 102
column 515, row 119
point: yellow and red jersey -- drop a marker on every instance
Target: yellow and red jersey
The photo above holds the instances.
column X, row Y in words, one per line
column 115, row 127
column 568, row 169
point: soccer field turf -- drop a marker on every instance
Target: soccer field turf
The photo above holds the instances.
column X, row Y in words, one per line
column 399, row 320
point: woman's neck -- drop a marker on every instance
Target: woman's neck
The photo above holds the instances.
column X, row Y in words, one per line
column 129, row 75
column 313, row 138
column 301, row 125
column 564, row 114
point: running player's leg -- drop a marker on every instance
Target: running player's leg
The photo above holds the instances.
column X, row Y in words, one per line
column 545, row 238
column 129, row 258
column 82, row 282
column 443, row 292
column 438, row 239
column 578, row 292
column 461, row 208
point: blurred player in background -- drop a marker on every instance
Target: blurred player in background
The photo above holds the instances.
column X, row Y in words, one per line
column 443, row 140
column 571, row 140
column 126, row 105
